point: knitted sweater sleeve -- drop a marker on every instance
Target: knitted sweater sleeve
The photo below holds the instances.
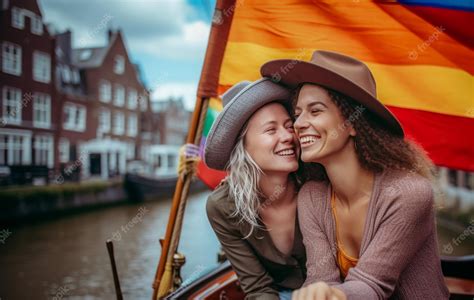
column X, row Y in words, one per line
column 406, row 219
column 320, row 256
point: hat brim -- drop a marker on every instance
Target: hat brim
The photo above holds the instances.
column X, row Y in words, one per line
column 228, row 125
column 294, row 72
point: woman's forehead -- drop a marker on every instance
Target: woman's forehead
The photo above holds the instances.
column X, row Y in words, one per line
column 271, row 112
column 311, row 94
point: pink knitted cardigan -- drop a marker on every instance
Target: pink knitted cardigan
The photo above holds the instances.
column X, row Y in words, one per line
column 399, row 256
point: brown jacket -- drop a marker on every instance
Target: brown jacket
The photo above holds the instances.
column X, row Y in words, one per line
column 261, row 268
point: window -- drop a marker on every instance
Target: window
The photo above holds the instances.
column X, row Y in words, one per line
column 130, row 150
column 76, row 78
column 105, row 91
column 15, row 149
column 36, row 25
column 119, row 64
column 12, row 105
column 132, row 125
column 74, row 117
column 85, row 54
column 43, row 150
column 42, row 67
column 41, row 110
column 119, row 123
column 11, row 58
column 63, row 149
column 66, row 74
column 132, row 98
column 104, row 120
column 119, row 95
column 143, row 102
column 18, row 18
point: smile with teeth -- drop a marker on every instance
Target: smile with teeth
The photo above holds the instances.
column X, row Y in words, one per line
column 308, row 140
column 286, row 152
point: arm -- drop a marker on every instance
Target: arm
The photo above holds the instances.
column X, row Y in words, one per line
column 407, row 222
column 254, row 279
column 320, row 264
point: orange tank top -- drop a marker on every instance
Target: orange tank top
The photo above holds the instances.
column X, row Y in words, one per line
column 344, row 261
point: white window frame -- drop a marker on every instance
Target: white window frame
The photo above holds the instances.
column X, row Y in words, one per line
column 18, row 18
column 42, row 67
column 76, row 77
column 11, row 58
column 119, row 123
column 104, row 120
column 119, row 64
column 36, row 25
column 75, row 117
column 132, row 125
column 119, row 95
column 43, row 150
column 143, row 103
column 8, row 116
column 63, row 150
column 17, row 149
column 105, row 91
column 41, row 110
column 132, row 98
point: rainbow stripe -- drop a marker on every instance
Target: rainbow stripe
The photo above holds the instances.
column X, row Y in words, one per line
column 209, row 176
column 420, row 53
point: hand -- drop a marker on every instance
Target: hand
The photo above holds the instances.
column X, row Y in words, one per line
column 318, row 291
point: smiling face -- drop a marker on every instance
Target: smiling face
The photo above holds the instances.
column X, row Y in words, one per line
column 270, row 139
column 319, row 125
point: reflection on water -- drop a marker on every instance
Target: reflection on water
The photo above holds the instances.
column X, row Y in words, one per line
column 67, row 258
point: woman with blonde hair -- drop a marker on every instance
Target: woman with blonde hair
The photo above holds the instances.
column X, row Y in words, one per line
column 253, row 211
column 369, row 226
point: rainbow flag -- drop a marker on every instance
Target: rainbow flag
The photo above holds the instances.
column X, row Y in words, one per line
column 420, row 52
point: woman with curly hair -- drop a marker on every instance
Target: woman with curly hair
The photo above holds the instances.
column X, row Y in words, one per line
column 253, row 211
column 369, row 225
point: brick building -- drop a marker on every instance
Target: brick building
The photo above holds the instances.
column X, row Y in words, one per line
column 81, row 113
column 172, row 121
column 29, row 110
column 116, row 100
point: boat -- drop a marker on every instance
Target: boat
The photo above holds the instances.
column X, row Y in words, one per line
column 234, row 57
column 156, row 180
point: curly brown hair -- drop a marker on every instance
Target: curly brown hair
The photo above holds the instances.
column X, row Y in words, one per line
column 376, row 147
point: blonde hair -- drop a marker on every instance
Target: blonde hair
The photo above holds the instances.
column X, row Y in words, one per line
column 243, row 179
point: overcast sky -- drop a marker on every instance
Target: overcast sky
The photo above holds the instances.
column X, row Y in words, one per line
column 167, row 38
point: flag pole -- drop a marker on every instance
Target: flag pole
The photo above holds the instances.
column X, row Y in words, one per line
column 208, row 87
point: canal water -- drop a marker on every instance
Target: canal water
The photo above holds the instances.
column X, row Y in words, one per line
column 66, row 258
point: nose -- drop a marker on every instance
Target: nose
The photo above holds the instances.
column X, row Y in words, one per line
column 287, row 136
column 300, row 123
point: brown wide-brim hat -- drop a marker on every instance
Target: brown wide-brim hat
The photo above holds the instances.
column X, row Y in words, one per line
column 338, row 72
column 240, row 102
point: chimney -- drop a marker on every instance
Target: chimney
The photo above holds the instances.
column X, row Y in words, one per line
column 110, row 32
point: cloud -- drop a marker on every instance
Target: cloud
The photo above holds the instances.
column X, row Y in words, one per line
column 187, row 91
column 169, row 29
column 189, row 44
column 167, row 37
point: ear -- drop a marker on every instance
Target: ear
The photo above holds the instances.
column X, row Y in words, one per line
column 352, row 131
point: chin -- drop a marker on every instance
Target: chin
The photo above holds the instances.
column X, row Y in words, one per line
column 309, row 157
column 287, row 168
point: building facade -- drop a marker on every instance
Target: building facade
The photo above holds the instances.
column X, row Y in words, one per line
column 67, row 113
column 29, row 110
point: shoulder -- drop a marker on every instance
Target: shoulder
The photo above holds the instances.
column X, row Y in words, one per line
column 406, row 190
column 219, row 203
column 313, row 193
